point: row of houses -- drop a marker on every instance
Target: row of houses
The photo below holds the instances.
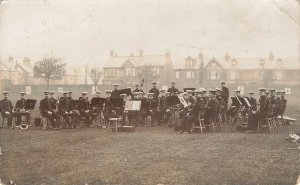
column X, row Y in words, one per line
column 190, row 71
column 200, row 70
column 14, row 72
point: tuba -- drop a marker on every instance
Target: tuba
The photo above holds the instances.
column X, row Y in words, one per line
column 24, row 125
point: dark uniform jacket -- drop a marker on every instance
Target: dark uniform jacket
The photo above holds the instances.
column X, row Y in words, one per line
column 172, row 90
column 212, row 107
column 45, row 106
column 115, row 94
column 84, row 104
column 155, row 91
column 253, row 103
column 6, row 106
column 64, row 105
column 151, row 105
column 53, row 103
column 284, row 103
column 225, row 94
column 20, row 104
column 263, row 107
column 162, row 102
column 272, row 106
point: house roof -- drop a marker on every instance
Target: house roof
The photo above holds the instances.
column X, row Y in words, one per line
column 258, row 63
column 181, row 63
column 145, row 60
column 27, row 68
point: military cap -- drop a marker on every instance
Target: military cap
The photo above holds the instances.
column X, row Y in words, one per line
column 162, row 90
column 52, row 92
column 197, row 91
column 5, row 92
column 154, row 82
column 116, row 85
column 135, row 93
column 123, row 95
column 84, row 92
column 212, row 91
column 189, row 91
column 251, row 92
column 150, row 94
column 223, row 82
column 22, row 92
column 98, row 92
column 173, row 82
column 137, row 84
column 66, row 92
column 272, row 90
column 237, row 90
column 140, row 92
column 218, row 89
column 46, row 92
column 262, row 89
column 108, row 91
column 70, row 92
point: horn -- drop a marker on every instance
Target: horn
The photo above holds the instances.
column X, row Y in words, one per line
column 23, row 126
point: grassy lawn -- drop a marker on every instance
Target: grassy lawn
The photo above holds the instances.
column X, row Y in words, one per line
column 148, row 156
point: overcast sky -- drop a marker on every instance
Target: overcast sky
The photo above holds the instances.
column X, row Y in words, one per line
column 86, row 30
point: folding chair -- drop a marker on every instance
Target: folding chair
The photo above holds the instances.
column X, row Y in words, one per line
column 200, row 120
column 113, row 122
column 265, row 123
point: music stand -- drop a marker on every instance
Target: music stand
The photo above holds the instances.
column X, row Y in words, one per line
column 172, row 101
column 117, row 102
column 30, row 104
column 97, row 102
column 133, row 105
column 125, row 91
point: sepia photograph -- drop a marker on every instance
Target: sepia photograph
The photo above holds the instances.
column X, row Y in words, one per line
column 149, row 92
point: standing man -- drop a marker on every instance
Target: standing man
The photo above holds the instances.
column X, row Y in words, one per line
column 164, row 112
column 137, row 88
column 211, row 108
column 155, row 91
column 70, row 95
column 252, row 101
column 225, row 94
column 63, row 108
column 6, row 108
column 173, row 90
column 115, row 93
column 21, row 109
column 151, row 107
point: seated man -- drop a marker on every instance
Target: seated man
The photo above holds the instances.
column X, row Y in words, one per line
column 21, row 109
column 6, row 108
column 46, row 109
column 150, row 108
column 211, row 108
column 96, row 109
column 63, row 108
column 84, row 109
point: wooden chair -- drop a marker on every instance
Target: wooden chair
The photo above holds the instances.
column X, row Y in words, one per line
column 265, row 123
column 201, row 125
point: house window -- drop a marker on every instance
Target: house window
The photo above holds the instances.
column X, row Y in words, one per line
column 112, row 72
column 130, row 71
column 278, row 75
column 279, row 62
column 190, row 74
column 213, row 75
column 232, row 75
column 177, row 74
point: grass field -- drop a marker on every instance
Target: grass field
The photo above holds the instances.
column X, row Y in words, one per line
column 151, row 155
column 148, row 156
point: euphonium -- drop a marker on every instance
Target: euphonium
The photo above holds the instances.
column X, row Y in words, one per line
column 23, row 126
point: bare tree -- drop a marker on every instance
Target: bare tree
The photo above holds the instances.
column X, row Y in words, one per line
column 49, row 68
column 95, row 75
column 147, row 74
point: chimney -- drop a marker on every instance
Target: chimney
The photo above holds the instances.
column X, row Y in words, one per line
column 271, row 56
column 111, row 52
column 200, row 56
column 141, row 53
column 227, row 56
column 27, row 61
column 168, row 54
column 11, row 59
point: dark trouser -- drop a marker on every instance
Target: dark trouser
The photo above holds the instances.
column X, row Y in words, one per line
column 53, row 118
column 163, row 115
column 134, row 117
column 87, row 116
column 186, row 123
column 151, row 113
column 9, row 118
column 253, row 120
column 19, row 115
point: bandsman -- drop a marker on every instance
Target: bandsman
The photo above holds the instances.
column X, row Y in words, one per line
column 6, row 108
column 154, row 90
column 46, row 109
column 173, row 90
column 115, row 93
column 84, row 109
column 20, row 109
column 164, row 113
